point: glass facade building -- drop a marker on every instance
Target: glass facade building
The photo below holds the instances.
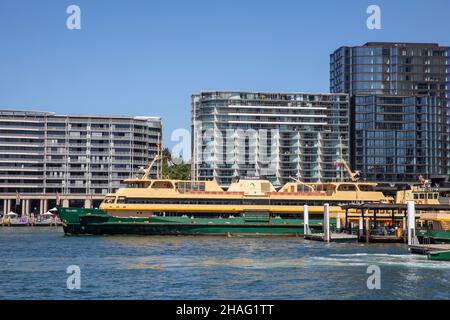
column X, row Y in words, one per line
column 398, row 91
column 396, row 138
column 79, row 157
column 274, row 136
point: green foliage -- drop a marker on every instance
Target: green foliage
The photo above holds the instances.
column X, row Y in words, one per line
column 175, row 169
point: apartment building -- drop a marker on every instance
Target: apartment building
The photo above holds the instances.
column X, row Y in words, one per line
column 397, row 91
column 269, row 135
column 80, row 158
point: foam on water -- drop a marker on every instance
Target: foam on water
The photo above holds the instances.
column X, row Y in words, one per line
column 407, row 260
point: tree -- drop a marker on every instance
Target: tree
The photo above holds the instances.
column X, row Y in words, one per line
column 175, row 169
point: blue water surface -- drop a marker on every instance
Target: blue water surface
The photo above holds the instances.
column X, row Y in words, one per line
column 34, row 261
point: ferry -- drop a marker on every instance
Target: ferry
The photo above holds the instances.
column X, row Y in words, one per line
column 249, row 207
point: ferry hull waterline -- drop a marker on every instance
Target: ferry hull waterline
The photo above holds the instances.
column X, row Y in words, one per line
column 98, row 222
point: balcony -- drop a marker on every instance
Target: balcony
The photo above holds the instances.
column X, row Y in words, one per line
column 19, row 160
column 114, row 137
column 55, row 161
column 21, row 185
column 24, row 169
column 54, row 185
column 24, row 144
column 4, row 176
column 98, row 169
column 56, row 136
column 18, row 127
column 96, row 185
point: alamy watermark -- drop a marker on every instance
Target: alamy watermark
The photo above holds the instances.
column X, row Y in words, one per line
column 74, row 279
column 374, row 20
column 73, row 21
column 374, row 280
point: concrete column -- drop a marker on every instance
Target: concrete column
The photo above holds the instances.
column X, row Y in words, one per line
column 411, row 212
column 65, row 203
column 404, row 229
column 306, row 219
column 338, row 223
column 5, row 206
column 41, row 207
column 23, row 206
column 8, row 206
column 44, row 205
column 28, row 207
column 87, row 203
column 367, row 230
column 326, row 222
column 361, row 226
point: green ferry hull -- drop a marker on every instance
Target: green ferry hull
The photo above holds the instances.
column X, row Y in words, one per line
column 439, row 256
column 435, row 237
column 98, row 222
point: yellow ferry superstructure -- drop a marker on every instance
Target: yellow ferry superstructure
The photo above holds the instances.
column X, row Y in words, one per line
column 148, row 197
column 145, row 197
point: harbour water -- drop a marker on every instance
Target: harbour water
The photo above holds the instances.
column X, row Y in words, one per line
column 33, row 263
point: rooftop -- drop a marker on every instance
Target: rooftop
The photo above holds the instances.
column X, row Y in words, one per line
column 18, row 112
column 401, row 44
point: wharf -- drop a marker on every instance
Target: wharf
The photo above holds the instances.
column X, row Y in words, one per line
column 334, row 237
column 375, row 238
column 7, row 225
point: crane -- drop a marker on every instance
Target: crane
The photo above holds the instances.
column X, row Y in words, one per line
column 146, row 171
column 354, row 175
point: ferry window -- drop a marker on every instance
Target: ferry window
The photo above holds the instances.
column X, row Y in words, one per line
column 416, row 196
column 304, row 188
column 136, row 185
column 121, row 200
column 347, row 187
column 327, row 188
column 436, row 196
column 162, row 185
column 421, row 196
column 191, row 186
column 109, row 200
column 365, row 187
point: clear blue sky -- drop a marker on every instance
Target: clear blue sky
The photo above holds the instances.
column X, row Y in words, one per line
column 148, row 57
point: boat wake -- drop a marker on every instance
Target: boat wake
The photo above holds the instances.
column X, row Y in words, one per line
column 360, row 259
column 334, row 260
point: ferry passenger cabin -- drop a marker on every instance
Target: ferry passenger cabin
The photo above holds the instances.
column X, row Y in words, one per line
column 206, row 198
column 338, row 191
